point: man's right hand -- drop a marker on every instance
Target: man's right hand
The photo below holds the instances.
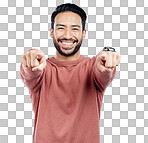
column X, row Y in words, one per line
column 34, row 59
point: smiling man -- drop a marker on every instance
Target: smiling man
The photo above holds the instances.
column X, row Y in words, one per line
column 67, row 90
column 67, row 33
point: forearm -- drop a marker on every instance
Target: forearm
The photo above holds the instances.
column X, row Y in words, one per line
column 103, row 79
column 27, row 73
column 30, row 78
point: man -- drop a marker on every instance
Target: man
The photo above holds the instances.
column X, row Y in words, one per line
column 67, row 90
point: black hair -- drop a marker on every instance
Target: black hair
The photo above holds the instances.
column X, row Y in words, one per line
column 69, row 7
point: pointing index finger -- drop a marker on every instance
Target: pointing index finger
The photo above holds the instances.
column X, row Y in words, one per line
column 35, row 59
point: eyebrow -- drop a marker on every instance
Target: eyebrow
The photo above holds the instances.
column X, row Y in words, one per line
column 76, row 26
column 65, row 26
column 60, row 25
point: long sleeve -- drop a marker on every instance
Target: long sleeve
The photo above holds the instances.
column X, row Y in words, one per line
column 32, row 79
column 102, row 80
column 67, row 103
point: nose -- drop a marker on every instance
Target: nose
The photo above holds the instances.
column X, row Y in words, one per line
column 67, row 34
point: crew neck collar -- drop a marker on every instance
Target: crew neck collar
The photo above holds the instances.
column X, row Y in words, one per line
column 64, row 63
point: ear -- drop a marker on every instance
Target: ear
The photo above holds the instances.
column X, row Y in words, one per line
column 84, row 34
column 51, row 32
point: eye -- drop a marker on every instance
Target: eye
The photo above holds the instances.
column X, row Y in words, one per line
column 60, row 28
column 75, row 29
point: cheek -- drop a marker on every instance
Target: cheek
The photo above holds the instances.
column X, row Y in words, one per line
column 58, row 34
column 78, row 35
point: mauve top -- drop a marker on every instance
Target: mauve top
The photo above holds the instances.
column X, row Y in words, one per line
column 66, row 98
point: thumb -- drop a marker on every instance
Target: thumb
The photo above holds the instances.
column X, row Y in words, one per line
column 40, row 67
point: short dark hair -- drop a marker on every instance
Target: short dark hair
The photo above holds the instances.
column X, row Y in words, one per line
column 69, row 7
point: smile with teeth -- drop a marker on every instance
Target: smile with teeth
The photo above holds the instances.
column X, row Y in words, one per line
column 64, row 43
column 67, row 45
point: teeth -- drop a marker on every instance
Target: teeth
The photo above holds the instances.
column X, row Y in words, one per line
column 67, row 43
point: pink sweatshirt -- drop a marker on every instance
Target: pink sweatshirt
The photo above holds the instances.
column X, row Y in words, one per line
column 67, row 98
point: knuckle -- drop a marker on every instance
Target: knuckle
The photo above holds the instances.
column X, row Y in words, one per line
column 23, row 55
column 27, row 54
column 114, row 54
column 102, row 55
column 117, row 54
column 32, row 52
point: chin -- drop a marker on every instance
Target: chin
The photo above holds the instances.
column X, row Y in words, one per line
column 67, row 50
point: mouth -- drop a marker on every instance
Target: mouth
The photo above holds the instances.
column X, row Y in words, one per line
column 67, row 44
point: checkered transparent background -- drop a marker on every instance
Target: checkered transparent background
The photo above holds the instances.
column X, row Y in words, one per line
column 122, row 24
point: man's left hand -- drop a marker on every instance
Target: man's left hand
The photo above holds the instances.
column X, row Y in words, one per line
column 107, row 60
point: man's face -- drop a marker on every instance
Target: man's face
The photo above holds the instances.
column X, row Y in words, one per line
column 67, row 34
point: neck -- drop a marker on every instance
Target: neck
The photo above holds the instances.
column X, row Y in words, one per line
column 60, row 57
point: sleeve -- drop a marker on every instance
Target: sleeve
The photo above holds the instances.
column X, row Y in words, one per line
column 102, row 80
column 32, row 79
